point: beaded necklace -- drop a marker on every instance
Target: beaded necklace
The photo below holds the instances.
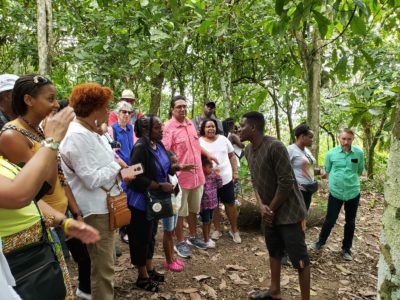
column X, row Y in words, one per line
column 40, row 134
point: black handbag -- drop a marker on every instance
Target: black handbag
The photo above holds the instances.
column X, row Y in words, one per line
column 159, row 205
column 312, row 187
column 36, row 270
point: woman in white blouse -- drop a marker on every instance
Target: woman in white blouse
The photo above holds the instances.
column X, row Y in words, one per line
column 89, row 165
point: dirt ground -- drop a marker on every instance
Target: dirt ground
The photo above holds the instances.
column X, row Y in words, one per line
column 232, row 270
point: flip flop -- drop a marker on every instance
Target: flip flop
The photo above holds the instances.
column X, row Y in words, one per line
column 259, row 294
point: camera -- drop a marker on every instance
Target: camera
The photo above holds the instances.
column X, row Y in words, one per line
column 115, row 144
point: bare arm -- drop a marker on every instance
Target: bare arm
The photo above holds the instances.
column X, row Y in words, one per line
column 233, row 161
column 19, row 192
column 18, row 149
column 234, row 139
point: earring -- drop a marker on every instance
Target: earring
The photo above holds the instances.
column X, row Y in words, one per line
column 96, row 123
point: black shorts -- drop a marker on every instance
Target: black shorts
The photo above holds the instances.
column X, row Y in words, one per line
column 226, row 194
column 289, row 238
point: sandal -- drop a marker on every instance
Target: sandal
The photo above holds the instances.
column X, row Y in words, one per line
column 125, row 240
column 174, row 267
column 259, row 294
column 147, row 284
column 155, row 276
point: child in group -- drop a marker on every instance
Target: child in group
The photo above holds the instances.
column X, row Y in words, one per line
column 209, row 201
column 173, row 264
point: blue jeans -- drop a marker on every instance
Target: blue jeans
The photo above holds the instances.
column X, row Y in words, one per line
column 334, row 207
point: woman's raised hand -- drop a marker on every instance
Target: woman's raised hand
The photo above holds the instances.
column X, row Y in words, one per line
column 57, row 125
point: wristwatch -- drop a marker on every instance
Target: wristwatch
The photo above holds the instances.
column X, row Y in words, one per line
column 50, row 143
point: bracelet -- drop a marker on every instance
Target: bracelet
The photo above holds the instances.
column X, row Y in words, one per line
column 65, row 226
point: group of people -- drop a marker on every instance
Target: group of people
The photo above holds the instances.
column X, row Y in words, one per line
column 66, row 160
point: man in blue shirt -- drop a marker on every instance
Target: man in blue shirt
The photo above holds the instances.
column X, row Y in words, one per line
column 343, row 164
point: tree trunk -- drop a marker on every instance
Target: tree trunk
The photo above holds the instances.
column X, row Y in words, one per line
column 311, row 60
column 276, row 117
column 224, row 85
column 43, row 50
column 156, row 89
column 389, row 260
column 371, row 149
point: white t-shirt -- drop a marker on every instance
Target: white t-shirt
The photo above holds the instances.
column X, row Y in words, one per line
column 6, row 279
column 176, row 200
column 92, row 160
column 220, row 149
column 302, row 163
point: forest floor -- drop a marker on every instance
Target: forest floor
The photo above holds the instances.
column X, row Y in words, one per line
column 232, row 270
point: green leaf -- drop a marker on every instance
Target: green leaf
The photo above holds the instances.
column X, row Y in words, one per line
column 204, row 26
column 358, row 26
column 298, row 14
column 368, row 58
column 341, row 67
column 322, row 22
column 279, row 4
column 362, row 6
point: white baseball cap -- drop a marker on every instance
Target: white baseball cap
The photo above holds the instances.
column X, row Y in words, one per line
column 7, row 82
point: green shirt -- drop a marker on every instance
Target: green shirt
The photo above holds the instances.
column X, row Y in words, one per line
column 344, row 170
column 15, row 220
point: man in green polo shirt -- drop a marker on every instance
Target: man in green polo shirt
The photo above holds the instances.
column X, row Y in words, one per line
column 343, row 164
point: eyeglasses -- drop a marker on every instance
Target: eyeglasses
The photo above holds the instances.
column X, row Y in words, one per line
column 40, row 79
column 126, row 112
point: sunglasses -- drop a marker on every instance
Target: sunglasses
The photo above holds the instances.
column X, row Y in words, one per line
column 126, row 112
column 40, row 79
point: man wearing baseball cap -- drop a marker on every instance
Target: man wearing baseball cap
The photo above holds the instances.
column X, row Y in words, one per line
column 128, row 96
column 7, row 82
column 208, row 113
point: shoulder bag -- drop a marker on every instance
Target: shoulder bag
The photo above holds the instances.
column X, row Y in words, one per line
column 120, row 214
column 37, row 272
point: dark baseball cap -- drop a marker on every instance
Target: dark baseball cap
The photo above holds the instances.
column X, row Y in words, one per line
column 210, row 103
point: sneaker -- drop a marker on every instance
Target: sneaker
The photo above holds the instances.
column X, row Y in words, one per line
column 83, row 295
column 316, row 245
column 216, row 235
column 346, row 254
column 198, row 243
column 236, row 237
column 210, row 243
column 174, row 267
column 182, row 250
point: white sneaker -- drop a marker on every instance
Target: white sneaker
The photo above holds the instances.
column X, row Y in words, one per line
column 83, row 295
column 210, row 243
column 216, row 235
column 236, row 237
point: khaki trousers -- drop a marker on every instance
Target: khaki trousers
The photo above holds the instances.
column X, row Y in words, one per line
column 102, row 258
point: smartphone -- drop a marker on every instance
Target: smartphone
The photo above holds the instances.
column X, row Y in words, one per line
column 132, row 170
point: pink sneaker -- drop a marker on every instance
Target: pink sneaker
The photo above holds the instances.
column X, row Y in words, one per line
column 174, row 267
column 179, row 262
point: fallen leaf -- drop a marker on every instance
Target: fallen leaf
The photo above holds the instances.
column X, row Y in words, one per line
column 260, row 253
column 210, row 291
column 222, row 285
column 344, row 282
column 235, row 268
column 343, row 269
column 285, row 280
column 195, row 296
column 313, row 293
column 201, row 277
column 236, row 279
column 186, row 291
